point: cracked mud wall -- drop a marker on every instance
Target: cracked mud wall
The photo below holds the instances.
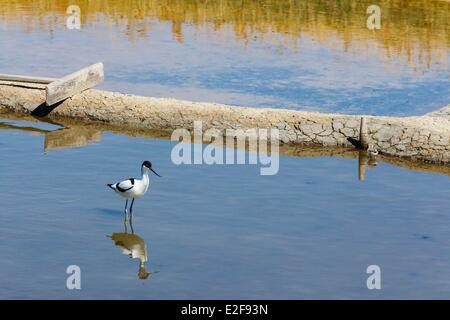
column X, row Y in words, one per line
column 425, row 137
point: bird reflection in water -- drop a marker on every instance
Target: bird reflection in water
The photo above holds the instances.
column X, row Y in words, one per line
column 133, row 246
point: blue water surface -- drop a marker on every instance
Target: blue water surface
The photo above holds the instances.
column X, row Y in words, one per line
column 217, row 231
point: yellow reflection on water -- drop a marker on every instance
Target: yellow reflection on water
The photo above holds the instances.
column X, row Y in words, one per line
column 418, row 30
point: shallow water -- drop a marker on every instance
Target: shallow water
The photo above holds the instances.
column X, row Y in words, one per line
column 225, row 231
column 216, row 231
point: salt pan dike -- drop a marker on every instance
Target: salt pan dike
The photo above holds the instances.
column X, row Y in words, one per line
column 425, row 138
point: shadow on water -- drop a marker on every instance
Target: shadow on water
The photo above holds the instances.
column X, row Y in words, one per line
column 133, row 246
column 109, row 212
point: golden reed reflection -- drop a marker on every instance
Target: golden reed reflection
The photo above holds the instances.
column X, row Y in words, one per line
column 418, row 30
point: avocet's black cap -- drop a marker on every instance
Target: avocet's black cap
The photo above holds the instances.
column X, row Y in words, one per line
column 147, row 164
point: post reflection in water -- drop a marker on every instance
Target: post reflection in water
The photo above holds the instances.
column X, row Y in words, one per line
column 365, row 158
column 133, row 246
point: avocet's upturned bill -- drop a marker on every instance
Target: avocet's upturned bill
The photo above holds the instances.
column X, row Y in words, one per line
column 134, row 188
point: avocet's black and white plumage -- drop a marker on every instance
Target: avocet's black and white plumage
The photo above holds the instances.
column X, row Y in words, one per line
column 134, row 188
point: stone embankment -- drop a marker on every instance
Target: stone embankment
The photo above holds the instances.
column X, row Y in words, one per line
column 424, row 138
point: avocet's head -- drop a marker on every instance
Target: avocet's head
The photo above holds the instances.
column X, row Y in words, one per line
column 146, row 166
column 143, row 273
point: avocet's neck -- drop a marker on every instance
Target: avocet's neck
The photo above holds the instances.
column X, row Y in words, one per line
column 145, row 175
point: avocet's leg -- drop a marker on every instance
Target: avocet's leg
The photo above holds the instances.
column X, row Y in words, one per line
column 125, row 219
column 126, row 206
column 131, row 207
column 131, row 223
column 131, row 216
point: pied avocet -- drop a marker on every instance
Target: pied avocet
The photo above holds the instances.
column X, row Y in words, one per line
column 134, row 188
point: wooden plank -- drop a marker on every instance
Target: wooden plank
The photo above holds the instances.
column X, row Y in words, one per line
column 17, row 78
column 74, row 83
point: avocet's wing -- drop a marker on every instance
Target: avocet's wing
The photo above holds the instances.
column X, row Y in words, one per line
column 125, row 185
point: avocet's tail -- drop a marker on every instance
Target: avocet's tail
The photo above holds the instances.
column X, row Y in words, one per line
column 112, row 186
